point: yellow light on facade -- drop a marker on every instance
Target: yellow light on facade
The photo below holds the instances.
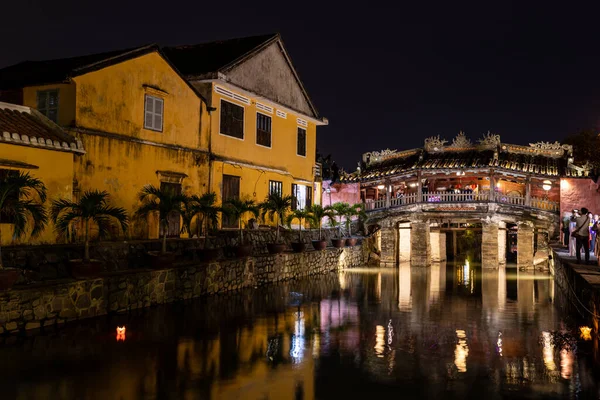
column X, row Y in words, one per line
column 381, row 187
column 585, row 332
column 546, row 185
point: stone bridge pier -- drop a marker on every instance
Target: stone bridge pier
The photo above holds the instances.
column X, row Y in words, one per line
column 420, row 237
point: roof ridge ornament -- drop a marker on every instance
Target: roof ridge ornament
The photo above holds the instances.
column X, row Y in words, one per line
column 435, row 144
column 489, row 141
column 461, row 141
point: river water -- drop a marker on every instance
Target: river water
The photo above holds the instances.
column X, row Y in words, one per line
column 450, row 331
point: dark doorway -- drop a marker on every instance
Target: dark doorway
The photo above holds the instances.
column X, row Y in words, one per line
column 231, row 190
column 174, row 227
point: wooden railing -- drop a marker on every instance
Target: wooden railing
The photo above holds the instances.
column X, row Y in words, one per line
column 446, row 197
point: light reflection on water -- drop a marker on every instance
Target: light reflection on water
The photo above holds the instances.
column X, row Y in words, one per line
column 449, row 331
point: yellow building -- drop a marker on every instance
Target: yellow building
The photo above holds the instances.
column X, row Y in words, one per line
column 32, row 143
column 263, row 124
column 139, row 120
column 230, row 117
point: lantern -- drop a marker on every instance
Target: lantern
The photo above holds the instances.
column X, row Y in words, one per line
column 121, row 333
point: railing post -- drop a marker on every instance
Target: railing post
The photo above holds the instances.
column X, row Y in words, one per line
column 528, row 191
column 387, row 194
column 492, row 185
column 419, row 188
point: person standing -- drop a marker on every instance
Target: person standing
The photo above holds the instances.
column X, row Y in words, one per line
column 566, row 227
column 582, row 235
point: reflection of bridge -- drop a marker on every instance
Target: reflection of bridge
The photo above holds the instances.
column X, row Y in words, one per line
column 411, row 194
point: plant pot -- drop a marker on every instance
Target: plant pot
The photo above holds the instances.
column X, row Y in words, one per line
column 80, row 269
column 8, row 277
column 298, row 247
column 351, row 242
column 208, row 255
column 244, row 250
column 160, row 261
column 319, row 245
column 275, row 248
column 338, row 243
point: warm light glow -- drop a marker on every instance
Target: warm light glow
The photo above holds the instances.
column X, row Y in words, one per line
column 379, row 341
column 564, row 184
column 461, row 352
column 498, row 184
column 499, row 344
column 381, row 187
column 566, row 363
column 585, row 332
column 548, row 351
column 121, row 333
column 413, row 185
column 546, row 185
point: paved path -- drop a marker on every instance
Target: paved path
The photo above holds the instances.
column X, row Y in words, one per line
column 591, row 273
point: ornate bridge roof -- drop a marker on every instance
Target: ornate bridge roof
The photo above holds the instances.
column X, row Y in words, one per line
column 538, row 159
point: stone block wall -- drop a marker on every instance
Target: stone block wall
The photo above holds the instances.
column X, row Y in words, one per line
column 52, row 303
column 48, row 262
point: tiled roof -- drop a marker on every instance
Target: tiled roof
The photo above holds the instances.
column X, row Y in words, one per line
column 473, row 159
column 29, row 73
column 203, row 58
column 24, row 126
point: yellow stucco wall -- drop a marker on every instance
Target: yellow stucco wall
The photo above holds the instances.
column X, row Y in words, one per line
column 66, row 100
column 55, row 170
column 256, row 165
column 123, row 168
column 281, row 155
column 112, row 100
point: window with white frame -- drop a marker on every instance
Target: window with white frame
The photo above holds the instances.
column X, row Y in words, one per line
column 232, row 120
column 276, row 187
column 153, row 113
column 263, row 130
column 301, row 142
column 302, row 196
column 47, row 103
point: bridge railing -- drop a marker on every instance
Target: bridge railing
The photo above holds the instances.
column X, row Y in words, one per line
column 449, row 197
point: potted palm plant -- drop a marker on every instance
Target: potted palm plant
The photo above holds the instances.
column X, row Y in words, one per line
column 355, row 210
column 275, row 207
column 316, row 215
column 301, row 216
column 92, row 208
column 338, row 211
column 21, row 203
column 166, row 203
column 238, row 208
column 206, row 213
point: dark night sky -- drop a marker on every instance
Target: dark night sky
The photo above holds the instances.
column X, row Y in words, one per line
column 386, row 75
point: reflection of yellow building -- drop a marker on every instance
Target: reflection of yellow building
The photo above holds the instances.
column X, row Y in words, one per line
column 237, row 122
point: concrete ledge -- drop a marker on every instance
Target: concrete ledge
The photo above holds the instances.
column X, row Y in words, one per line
column 56, row 302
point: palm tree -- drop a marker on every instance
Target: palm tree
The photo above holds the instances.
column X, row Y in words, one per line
column 93, row 208
column 317, row 213
column 339, row 210
column 301, row 216
column 18, row 203
column 204, row 209
column 355, row 210
column 237, row 208
column 166, row 202
column 276, row 206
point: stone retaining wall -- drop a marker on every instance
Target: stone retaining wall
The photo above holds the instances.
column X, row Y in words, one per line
column 48, row 262
column 575, row 289
column 52, row 303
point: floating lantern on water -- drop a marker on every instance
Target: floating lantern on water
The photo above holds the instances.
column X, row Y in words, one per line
column 585, row 332
column 121, row 333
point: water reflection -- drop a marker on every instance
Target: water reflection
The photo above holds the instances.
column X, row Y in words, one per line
column 449, row 331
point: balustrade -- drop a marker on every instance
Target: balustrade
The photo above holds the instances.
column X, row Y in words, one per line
column 472, row 197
